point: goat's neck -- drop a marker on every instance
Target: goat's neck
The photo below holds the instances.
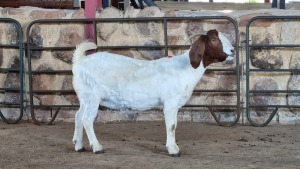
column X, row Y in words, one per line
column 196, row 74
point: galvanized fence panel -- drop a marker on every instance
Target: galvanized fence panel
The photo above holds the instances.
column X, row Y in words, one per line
column 250, row 93
column 55, row 108
column 11, row 106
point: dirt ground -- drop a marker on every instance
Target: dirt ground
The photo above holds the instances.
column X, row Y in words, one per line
column 136, row 145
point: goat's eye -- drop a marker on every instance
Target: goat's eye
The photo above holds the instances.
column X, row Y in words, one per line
column 213, row 40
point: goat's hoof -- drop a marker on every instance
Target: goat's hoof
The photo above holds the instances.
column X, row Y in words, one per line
column 176, row 155
column 99, row 152
column 81, row 150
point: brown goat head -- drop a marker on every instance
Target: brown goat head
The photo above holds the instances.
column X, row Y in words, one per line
column 208, row 48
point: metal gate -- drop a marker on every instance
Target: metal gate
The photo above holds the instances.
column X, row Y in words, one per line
column 55, row 108
column 251, row 93
column 12, row 89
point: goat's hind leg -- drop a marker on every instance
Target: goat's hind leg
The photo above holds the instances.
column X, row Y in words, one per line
column 78, row 132
column 89, row 115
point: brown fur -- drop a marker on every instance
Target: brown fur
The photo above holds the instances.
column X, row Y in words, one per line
column 208, row 48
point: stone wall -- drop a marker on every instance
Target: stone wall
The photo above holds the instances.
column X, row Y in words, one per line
column 151, row 34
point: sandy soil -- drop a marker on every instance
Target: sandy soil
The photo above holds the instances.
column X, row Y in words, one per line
column 141, row 145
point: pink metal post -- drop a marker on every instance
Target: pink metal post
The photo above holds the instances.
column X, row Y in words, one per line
column 90, row 12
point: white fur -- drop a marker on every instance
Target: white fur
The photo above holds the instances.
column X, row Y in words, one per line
column 227, row 47
column 121, row 82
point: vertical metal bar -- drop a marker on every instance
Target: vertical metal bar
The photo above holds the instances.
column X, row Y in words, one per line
column 30, row 81
column 237, row 69
column 95, row 32
column 31, row 105
column 21, row 48
column 247, row 70
column 165, row 36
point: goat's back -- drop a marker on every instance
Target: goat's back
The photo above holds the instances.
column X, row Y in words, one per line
column 110, row 65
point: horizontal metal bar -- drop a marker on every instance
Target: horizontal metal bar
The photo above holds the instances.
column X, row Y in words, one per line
column 70, row 71
column 184, row 46
column 143, row 47
column 51, row 48
column 275, row 46
column 10, row 106
column 274, row 70
column 8, row 70
column 110, row 47
column 34, row 48
column 186, row 106
column 274, row 91
column 142, row 19
column 221, row 70
column 9, row 103
column 9, row 46
column 52, row 91
column 7, row 89
column 55, row 106
column 285, row 17
column 272, row 106
column 51, row 72
column 72, row 91
column 219, row 106
column 215, row 90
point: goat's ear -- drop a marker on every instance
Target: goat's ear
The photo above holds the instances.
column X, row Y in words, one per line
column 197, row 51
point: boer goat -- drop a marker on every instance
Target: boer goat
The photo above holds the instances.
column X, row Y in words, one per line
column 121, row 82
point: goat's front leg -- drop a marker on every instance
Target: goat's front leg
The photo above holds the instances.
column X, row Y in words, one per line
column 171, row 124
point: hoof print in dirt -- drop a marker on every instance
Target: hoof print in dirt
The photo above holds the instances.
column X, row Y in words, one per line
column 99, row 152
column 176, row 155
column 81, row 150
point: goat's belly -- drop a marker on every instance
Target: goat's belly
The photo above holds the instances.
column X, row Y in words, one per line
column 131, row 101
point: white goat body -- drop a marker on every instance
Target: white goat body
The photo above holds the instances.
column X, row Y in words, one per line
column 130, row 83
column 121, row 82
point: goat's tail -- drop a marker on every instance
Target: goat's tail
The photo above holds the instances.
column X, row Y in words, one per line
column 80, row 50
